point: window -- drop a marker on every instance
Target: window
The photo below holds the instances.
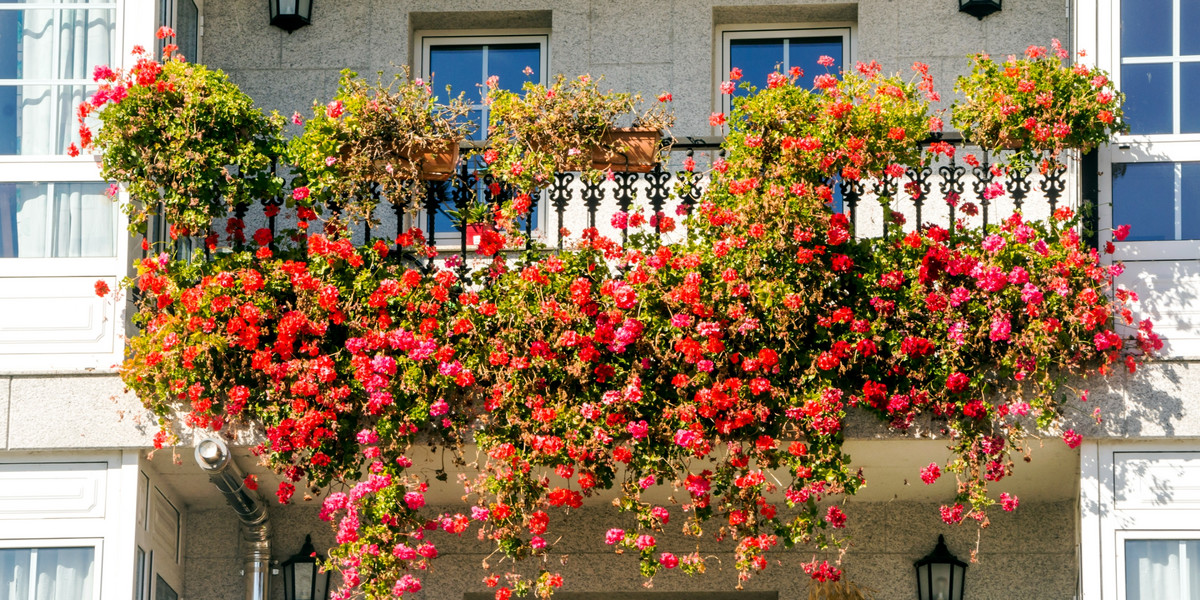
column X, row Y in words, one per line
column 47, row 53
column 33, row 573
column 1160, row 66
column 464, row 63
column 1153, row 177
column 1162, row 569
column 760, row 52
column 183, row 16
column 56, row 220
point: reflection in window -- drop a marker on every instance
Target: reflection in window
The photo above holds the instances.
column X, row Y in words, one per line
column 57, row 573
column 56, row 220
column 1162, row 569
column 47, row 55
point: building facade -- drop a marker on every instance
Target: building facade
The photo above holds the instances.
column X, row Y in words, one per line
column 87, row 512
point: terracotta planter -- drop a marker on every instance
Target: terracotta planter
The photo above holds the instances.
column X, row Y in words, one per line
column 639, row 155
column 438, row 162
column 1007, row 143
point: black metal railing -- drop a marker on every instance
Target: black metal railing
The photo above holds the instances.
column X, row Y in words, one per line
column 948, row 192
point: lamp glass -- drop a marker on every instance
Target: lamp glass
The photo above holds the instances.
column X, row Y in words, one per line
column 304, row 580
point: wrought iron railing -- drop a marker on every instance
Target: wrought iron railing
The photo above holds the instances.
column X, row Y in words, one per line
column 948, row 192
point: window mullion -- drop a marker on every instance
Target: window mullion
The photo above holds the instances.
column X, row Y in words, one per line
column 1184, row 567
column 33, row 556
column 51, row 210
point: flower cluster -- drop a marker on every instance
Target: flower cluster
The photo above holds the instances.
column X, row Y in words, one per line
column 170, row 130
column 1037, row 104
column 722, row 366
column 392, row 135
column 541, row 130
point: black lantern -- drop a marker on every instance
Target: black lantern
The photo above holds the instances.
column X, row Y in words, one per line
column 979, row 8
column 940, row 575
column 290, row 15
column 302, row 579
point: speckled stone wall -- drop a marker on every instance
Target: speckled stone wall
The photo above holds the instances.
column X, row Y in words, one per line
column 637, row 45
column 1025, row 555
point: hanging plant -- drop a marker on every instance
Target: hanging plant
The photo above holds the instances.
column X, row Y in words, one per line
column 570, row 125
column 722, row 366
column 1038, row 105
column 393, row 136
column 182, row 135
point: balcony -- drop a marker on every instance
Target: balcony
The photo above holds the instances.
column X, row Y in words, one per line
column 949, row 193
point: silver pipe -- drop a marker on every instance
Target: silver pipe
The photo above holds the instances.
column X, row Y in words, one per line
column 214, row 457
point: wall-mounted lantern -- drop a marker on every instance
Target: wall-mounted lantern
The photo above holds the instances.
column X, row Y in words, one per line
column 290, row 15
column 979, row 8
column 302, row 576
column 940, row 574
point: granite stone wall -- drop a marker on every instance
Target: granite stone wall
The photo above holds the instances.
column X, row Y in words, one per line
column 1029, row 554
column 637, row 45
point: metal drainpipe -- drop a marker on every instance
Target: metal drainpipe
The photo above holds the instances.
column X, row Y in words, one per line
column 214, row 457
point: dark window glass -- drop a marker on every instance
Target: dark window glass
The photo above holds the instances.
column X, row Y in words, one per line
column 756, row 59
column 1189, row 93
column 508, row 62
column 460, row 67
column 1144, row 199
column 1189, row 32
column 1146, row 28
column 1190, row 201
column 804, row 52
column 1147, row 98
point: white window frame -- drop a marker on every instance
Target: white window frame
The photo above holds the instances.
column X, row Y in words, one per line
column 56, row 83
column 848, row 31
column 1104, row 527
column 1124, row 535
column 423, row 40
column 96, row 544
column 1143, row 148
column 426, row 39
column 171, row 19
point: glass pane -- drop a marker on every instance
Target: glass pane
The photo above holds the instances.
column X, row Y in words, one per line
column 1144, row 199
column 14, row 572
column 163, row 590
column 804, row 52
column 1190, row 207
column 54, row 44
column 187, row 29
column 40, row 119
column 1146, row 28
column 756, row 59
column 1189, row 90
column 1160, row 569
column 40, row 220
column 64, row 573
column 508, row 62
column 1147, row 98
column 1189, row 35
column 460, row 67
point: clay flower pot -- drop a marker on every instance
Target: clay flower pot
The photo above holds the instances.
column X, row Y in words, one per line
column 640, row 150
column 438, row 161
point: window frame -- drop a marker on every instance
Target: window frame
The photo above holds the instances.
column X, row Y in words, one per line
column 1125, row 535
column 117, row 45
column 423, row 40
column 847, row 30
column 173, row 22
column 1142, row 148
column 48, row 543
